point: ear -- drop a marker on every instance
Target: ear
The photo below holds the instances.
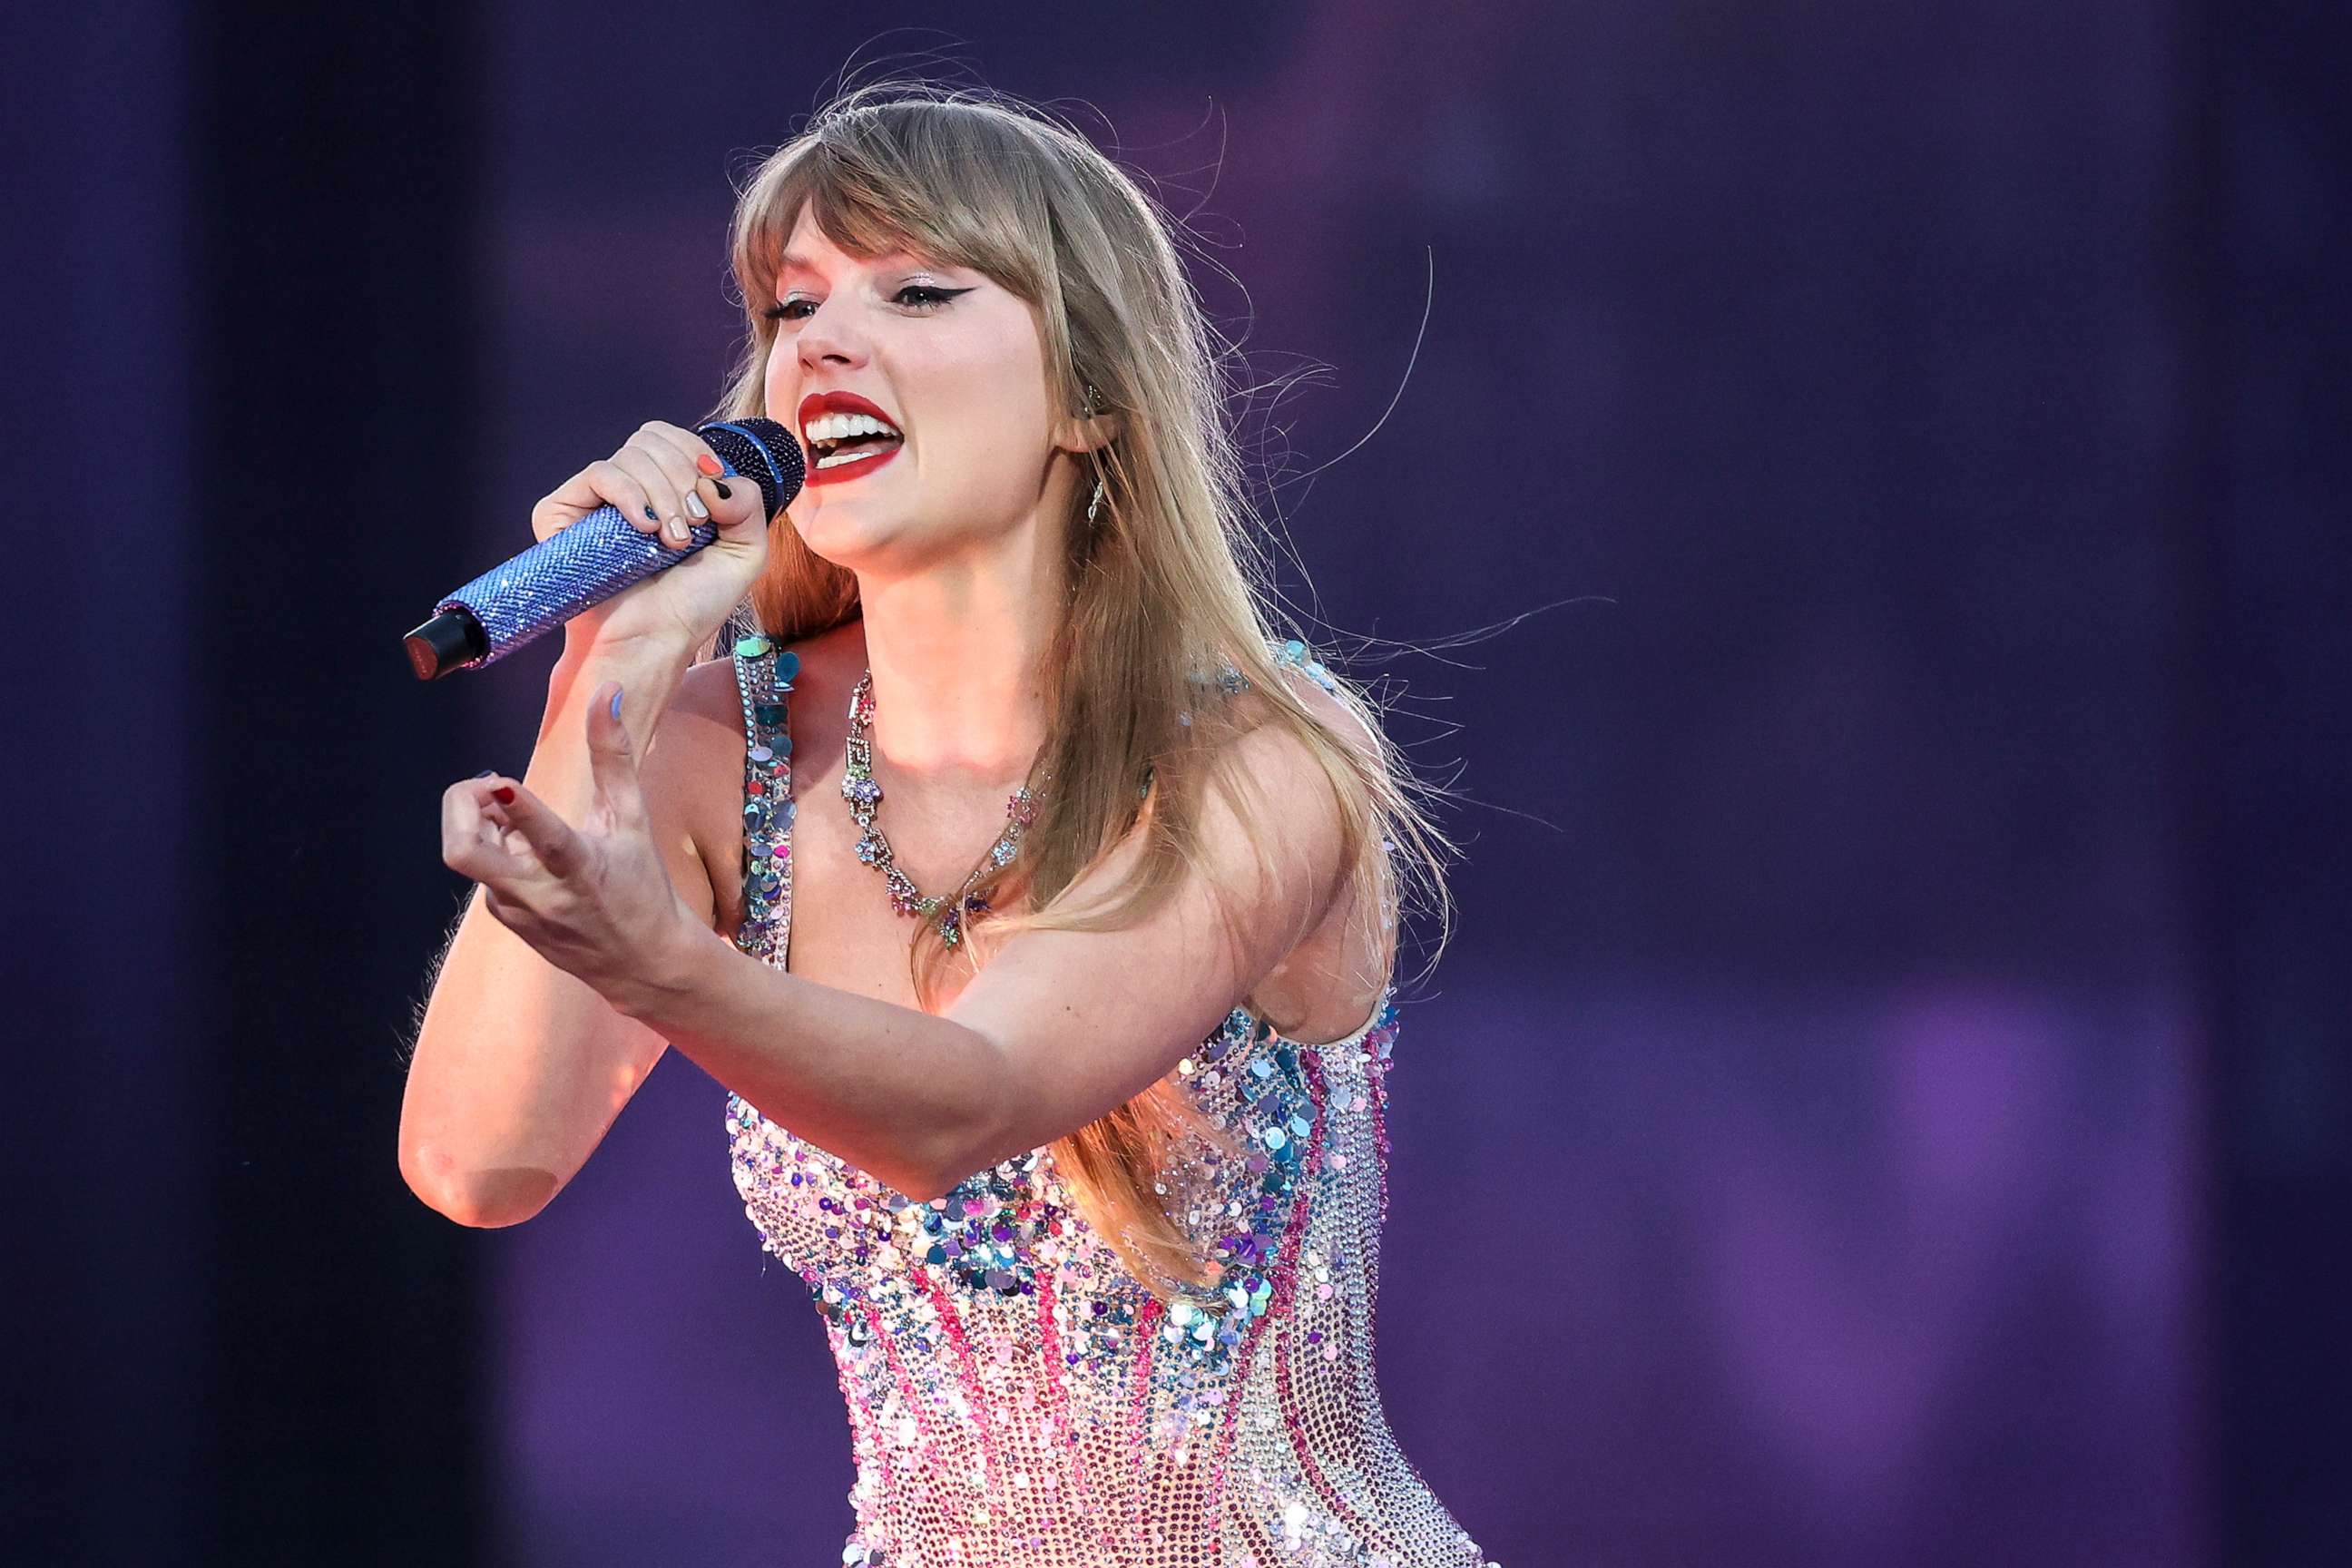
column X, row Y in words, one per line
column 1079, row 434
column 1086, row 430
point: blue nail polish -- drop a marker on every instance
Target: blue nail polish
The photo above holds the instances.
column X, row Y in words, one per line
column 651, row 515
column 617, row 702
column 485, row 773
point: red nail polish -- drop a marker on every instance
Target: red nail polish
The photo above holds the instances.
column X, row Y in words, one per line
column 503, row 795
column 710, row 465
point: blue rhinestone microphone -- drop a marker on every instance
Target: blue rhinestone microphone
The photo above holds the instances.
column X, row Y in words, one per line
column 590, row 561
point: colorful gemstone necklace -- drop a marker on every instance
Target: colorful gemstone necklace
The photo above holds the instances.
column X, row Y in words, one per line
column 858, row 788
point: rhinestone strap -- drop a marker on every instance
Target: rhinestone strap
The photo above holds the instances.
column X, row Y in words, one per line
column 763, row 680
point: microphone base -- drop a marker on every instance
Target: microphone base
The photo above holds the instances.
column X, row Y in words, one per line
column 453, row 639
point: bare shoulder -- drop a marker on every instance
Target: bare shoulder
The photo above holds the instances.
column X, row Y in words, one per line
column 1341, row 716
column 688, row 775
column 1275, row 750
column 1334, row 974
column 706, row 715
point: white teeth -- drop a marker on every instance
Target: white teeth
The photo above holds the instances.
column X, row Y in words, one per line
column 841, row 427
column 838, row 458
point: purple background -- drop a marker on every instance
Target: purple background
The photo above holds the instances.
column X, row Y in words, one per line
column 1885, row 1100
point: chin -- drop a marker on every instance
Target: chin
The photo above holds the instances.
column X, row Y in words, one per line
column 850, row 538
column 831, row 541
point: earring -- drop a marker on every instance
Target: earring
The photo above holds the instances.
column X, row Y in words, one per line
column 1094, row 406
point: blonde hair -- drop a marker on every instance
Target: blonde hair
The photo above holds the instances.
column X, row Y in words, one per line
column 1170, row 589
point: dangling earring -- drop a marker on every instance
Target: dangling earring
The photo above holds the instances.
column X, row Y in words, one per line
column 1095, row 403
column 1094, row 406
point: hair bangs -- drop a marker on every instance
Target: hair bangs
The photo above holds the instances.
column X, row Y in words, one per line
column 948, row 193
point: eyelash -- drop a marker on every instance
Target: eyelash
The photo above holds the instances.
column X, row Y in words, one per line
column 938, row 298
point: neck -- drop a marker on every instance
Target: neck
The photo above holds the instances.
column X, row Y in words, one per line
column 959, row 687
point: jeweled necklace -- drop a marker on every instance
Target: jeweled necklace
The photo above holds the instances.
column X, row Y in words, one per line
column 858, row 788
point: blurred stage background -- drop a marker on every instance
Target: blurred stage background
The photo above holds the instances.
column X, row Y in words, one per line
column 1886, row 1099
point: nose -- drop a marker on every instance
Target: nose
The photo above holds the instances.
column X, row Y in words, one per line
column 829, row 337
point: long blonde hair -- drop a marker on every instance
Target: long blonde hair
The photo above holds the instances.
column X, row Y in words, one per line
column 1169, row 590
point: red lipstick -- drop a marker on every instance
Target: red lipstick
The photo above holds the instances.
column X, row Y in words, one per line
column 836, row 466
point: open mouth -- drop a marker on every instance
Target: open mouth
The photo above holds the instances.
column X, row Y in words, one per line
column 838, row 440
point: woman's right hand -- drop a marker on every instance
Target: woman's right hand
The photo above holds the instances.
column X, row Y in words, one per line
column 650, row 479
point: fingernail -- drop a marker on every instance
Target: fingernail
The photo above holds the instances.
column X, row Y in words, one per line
column 724, row 493
column 617, row 702
column 710, row 465
column 674, row 531
column 485, row 773
column 504, row 794
column 651, row 515
column 694, row 504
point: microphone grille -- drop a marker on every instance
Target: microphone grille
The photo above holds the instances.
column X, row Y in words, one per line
column 761, row 450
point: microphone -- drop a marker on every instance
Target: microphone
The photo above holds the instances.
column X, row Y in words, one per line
column 590, row 561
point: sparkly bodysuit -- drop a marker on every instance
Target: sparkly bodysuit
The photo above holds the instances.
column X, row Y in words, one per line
column 1016, row 1396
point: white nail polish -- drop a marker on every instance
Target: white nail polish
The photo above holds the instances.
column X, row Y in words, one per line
column 694, row 504
column 674, row 531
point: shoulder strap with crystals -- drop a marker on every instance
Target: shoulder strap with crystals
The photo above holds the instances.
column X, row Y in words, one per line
column 763, row 678
column 1294, row 653
column 1231, row 680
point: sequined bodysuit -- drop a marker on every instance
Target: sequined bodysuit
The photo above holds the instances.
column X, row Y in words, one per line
column 1016, row 1396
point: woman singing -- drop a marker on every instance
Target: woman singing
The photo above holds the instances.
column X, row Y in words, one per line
column 1036, row 908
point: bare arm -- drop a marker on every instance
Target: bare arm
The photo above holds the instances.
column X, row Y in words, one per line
column 1057, row 1029
column 520, row 1068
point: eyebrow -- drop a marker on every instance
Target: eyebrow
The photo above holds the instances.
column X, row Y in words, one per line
column 789, row 262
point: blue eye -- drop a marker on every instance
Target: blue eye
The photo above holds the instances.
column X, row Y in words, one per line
column 914, row 297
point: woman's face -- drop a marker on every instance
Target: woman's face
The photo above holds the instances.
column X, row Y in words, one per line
column 951, row 359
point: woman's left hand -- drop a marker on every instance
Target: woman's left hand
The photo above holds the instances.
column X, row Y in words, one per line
column 595, row 900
